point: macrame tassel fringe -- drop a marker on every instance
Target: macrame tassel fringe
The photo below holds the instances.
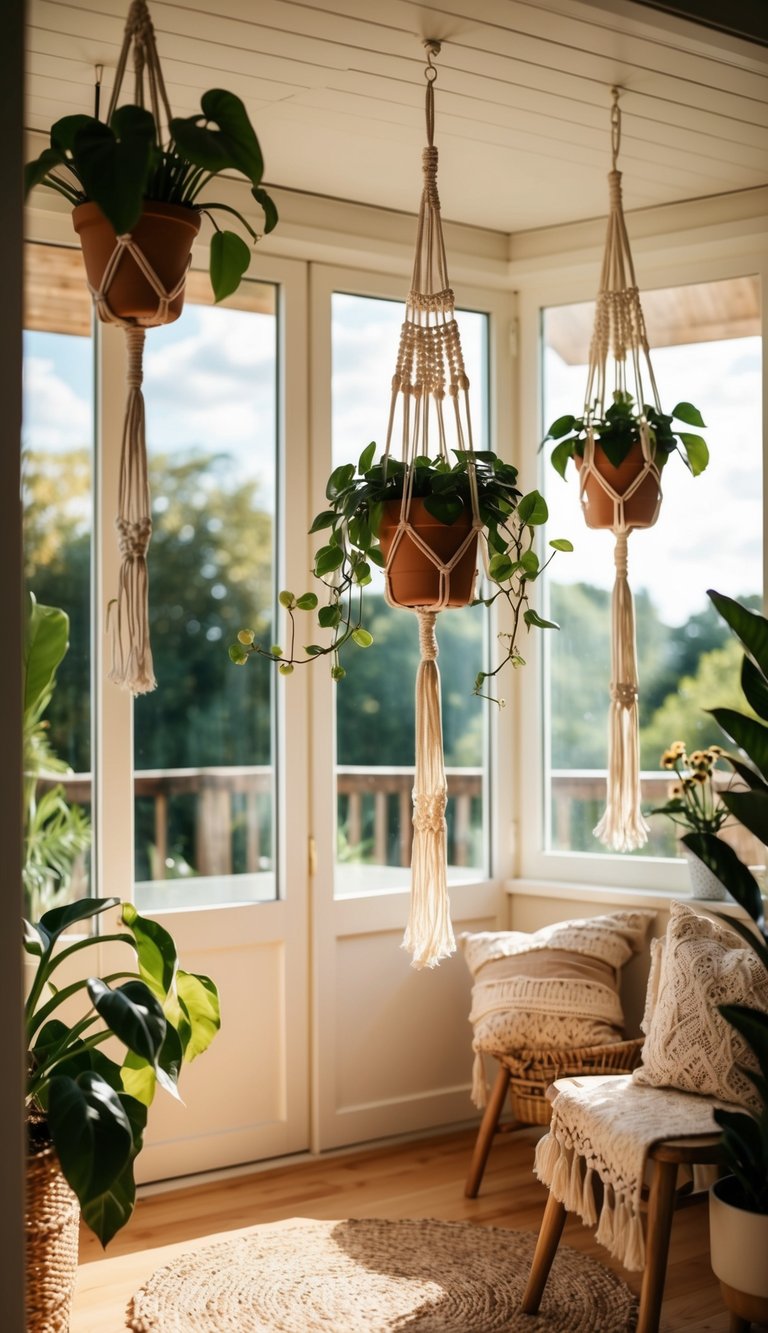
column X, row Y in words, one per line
column 605, row 1229
column 479, row 1085
column 622, row 827
column 546, row 1158
column 588, row 1208
column 429, row 934
column 131, row 665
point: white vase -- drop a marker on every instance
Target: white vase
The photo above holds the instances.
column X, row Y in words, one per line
column 704, row 882
column 738, row 1241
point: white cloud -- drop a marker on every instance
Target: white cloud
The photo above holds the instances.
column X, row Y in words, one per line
column 56, row 416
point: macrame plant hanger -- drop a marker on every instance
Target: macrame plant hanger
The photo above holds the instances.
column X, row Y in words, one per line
column 430, row 367
column 131, row 653
column 619, row 338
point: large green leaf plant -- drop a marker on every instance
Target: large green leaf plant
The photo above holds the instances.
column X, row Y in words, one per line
column 745, row 1135
column 120, row 165
column 56, row 832
column 92, row 1108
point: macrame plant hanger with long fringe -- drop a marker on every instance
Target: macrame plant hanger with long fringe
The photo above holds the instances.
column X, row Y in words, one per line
column 428, row 377
column 619, row 338
column 131, row 653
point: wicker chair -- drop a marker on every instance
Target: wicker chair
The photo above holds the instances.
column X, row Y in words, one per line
column 525, row 1077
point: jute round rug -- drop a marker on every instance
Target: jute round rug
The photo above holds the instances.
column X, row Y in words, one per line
column 373, row 1276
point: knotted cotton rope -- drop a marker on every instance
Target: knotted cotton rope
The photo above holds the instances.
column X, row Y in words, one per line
column 429, row 369
column 131, row 654
column 619, row 336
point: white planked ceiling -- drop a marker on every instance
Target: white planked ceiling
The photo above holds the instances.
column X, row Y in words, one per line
column 336, row 89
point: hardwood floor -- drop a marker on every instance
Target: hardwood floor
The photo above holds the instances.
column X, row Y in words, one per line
column 417, row 1179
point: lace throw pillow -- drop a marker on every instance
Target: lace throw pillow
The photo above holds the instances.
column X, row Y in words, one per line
column 553, row 989
column 688, row 1044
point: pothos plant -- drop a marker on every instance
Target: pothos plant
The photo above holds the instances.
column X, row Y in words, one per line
column 120, row 165
column 618, row 429
column 356, row 494
column 90, row 1107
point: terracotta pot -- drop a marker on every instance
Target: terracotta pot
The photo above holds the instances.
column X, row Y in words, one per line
column 51, row 1221
column 413, row 579
column 738, row 1244
column 640, row 508
column 165, row 233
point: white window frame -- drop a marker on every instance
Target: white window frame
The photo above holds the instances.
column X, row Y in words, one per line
column 661, row 261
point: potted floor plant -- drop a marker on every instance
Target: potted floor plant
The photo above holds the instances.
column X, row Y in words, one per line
column 739, row 1202
column 619, row 457
column 86, row 1110
column 364, row 503
column 121, row 177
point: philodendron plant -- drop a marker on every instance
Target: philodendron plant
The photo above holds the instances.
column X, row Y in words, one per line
column 745, row 1135
column 618, row 429
column 356, row 494
column 92, row 1108
column 120, row 165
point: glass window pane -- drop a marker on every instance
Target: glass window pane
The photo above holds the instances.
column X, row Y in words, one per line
column 204, row 770
column 706, row 350
column 57, row 472
column 375, row 701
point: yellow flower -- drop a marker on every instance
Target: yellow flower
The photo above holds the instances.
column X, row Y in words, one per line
column 677, row 748
column 674, row 790
column 699, row 776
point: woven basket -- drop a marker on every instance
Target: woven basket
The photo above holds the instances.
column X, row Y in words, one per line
column 51, row 1219
column 531, row 1073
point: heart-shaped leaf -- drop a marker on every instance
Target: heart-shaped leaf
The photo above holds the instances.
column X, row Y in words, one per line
column 229, row 260
column 271, row 217
column 133, row 1013
column 90, row 1131
column 113, row 162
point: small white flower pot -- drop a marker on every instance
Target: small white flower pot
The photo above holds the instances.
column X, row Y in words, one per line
column 738, row 1242
column 704, row 882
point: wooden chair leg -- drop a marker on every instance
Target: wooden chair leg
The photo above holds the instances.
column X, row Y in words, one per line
column 659, row 1225
column 488, row 1127
column 546, row 1248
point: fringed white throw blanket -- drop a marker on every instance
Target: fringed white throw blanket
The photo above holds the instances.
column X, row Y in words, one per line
column 604, row 1126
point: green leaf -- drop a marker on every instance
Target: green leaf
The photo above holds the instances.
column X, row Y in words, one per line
column 322, row 520
column 749, row 626
column 339, row 480
column 376, row 556
column 59, row 919
column 313, row 650
column 133, row 1013
column 532, row 618
column 327, row 559
column 238, row 654
column 286, row 599
column 690, row 415
column 229, row 260
column 90, row 1131
column 199, row 1002
column 65, row 130
column 307, row 601
column 46, row 640
column 749, row 735
column 362, row 638
column 561, row 455
column 501, row 567
column 269, row 208
column 751, row 810
column 532, row 509
column 155, row 949
column 108, row 1212
column 560, row 427
column 328, row 617
column 530, row 563
column 235, row 132
column 696, row 450
column 113, row 162
column 755, row 687
column 445, row 508
column 366, row 458
column 561, row 544
column 35, row 172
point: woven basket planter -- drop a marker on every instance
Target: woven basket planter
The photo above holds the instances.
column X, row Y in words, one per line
column 532, row 1072
column 51, row 1221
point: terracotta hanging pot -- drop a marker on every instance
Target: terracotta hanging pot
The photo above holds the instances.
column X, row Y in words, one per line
column 52, row 1222
column 165, row 233
column 413, row 579
column 641, row 508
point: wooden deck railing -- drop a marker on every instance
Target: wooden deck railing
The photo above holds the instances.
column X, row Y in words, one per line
column 374, row 814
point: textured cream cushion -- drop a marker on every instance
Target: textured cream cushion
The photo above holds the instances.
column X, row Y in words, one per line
column 688, row 1044
column 555, row 988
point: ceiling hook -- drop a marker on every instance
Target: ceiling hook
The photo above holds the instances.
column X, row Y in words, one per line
column 432, row 48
